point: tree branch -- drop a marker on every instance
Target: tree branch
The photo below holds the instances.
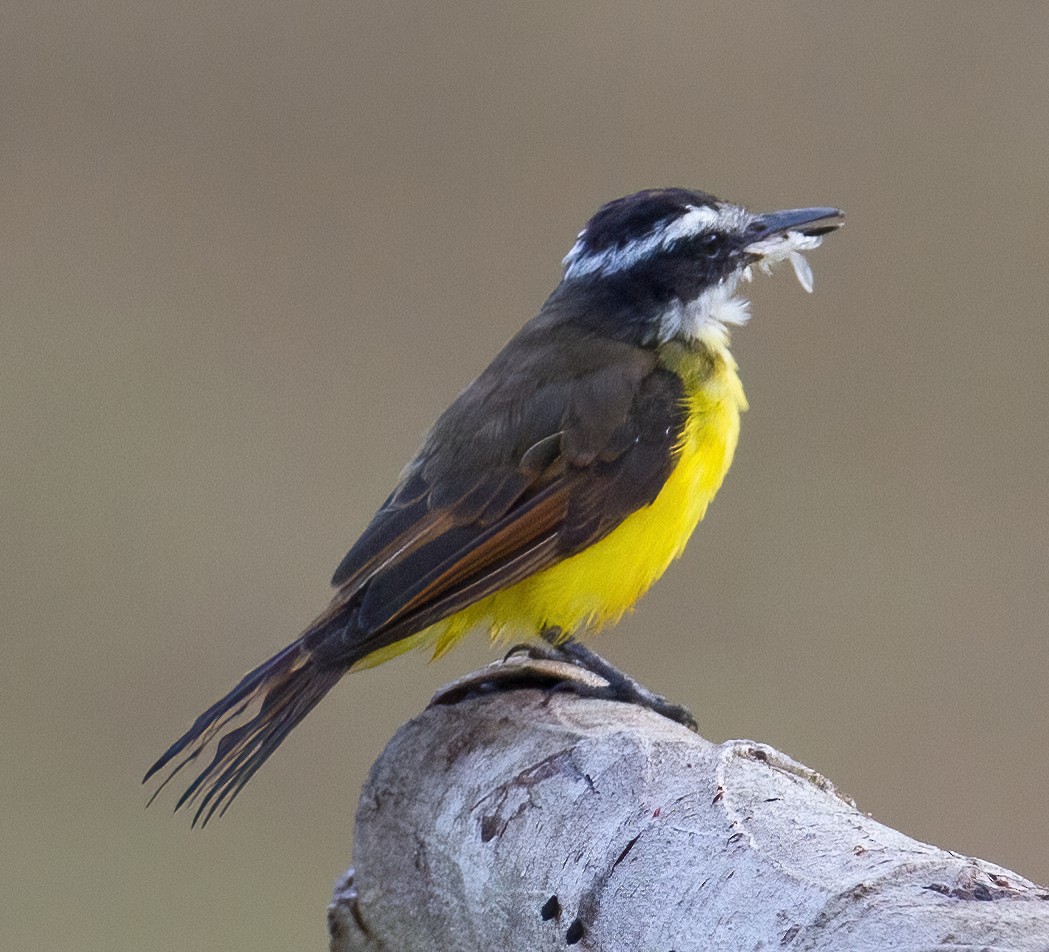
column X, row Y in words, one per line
column 509, row 816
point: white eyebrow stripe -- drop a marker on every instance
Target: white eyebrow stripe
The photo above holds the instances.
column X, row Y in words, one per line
column 697, row 219
column 616, row 258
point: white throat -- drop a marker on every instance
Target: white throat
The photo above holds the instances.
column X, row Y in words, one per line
column 706, row 318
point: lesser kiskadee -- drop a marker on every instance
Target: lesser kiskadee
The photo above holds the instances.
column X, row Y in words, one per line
column 559, row 485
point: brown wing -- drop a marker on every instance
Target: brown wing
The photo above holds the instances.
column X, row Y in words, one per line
column 545, row 453
column 534, row 462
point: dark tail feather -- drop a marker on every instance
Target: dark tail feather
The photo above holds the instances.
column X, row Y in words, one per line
column 287, row 688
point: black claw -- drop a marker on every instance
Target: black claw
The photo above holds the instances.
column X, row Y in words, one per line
column 620, row 686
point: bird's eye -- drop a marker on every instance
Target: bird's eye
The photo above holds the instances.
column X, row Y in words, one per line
column 710, row 245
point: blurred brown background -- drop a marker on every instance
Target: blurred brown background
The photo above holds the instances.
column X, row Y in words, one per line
column 248, row 251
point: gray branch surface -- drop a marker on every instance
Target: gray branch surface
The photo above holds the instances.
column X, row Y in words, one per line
column 508, row 817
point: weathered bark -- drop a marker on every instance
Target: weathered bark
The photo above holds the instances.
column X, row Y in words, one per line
column 508, row 817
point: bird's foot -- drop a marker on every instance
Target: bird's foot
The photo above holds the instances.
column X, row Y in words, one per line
column 619, row 687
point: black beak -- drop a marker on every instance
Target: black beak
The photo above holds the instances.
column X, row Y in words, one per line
column 807, row 221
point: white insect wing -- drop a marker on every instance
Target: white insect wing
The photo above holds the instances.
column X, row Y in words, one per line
column 787, row 247
column 802, row 270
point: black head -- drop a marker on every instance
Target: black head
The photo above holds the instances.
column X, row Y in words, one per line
column 668, row 260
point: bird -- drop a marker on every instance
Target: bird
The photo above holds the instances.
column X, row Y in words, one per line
column 557, row 487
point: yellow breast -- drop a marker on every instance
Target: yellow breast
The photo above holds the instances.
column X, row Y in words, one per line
column 596, row 586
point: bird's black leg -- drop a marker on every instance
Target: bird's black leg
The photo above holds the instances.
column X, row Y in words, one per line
column 621, row 687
